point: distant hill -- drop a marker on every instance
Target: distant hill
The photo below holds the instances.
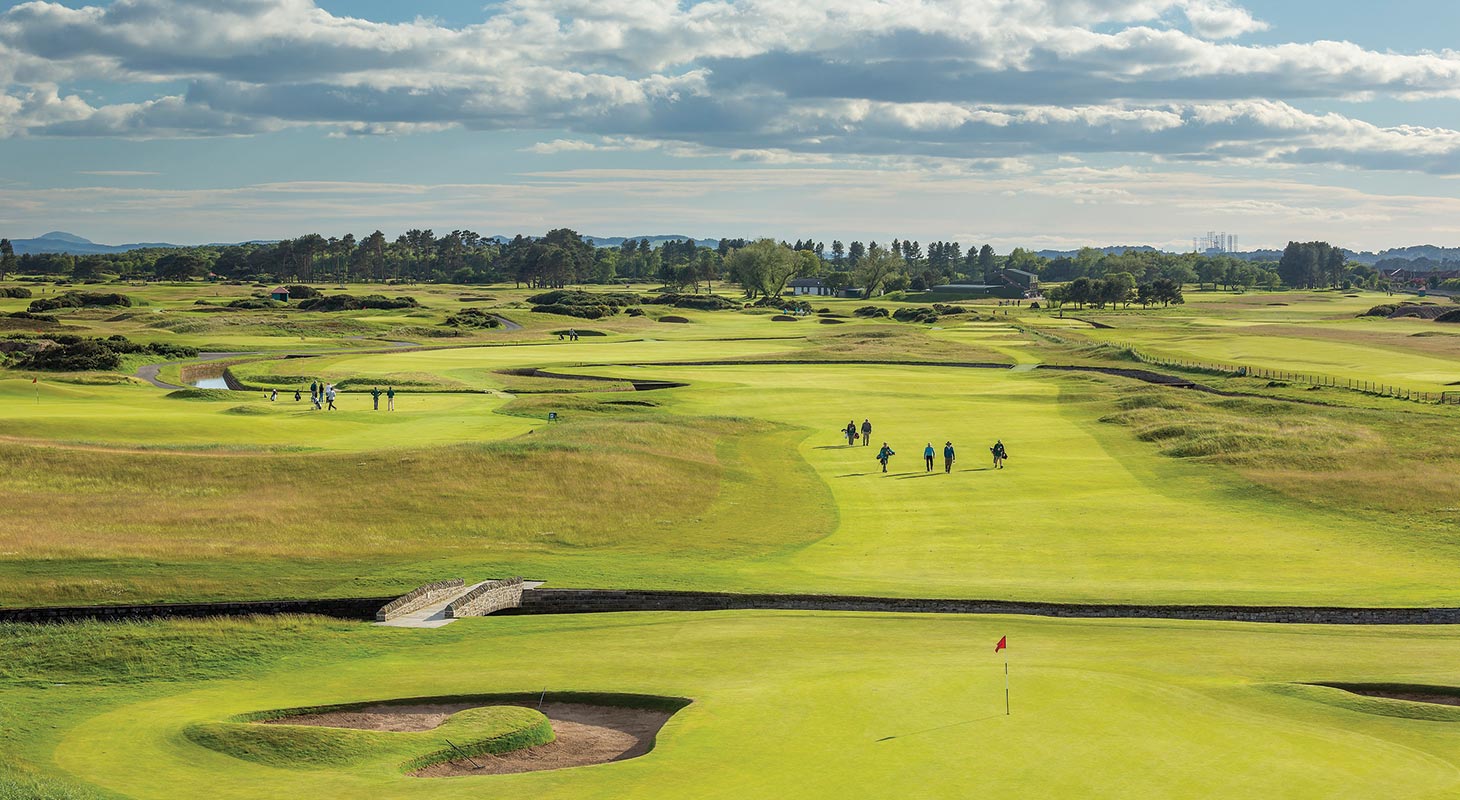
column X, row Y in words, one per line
column 1109, row 251
column 70, row 243
column 654, row 241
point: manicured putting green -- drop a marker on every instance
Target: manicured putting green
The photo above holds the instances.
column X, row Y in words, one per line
column 835, row 706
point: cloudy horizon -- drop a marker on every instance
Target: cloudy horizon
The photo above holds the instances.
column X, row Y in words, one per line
column 1012, row 122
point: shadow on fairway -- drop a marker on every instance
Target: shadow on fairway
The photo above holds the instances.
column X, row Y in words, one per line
column 835, row 447
column 939, row 728
column 919, row 475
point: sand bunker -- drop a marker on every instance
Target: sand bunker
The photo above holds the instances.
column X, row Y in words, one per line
column 586, row 734
column 1416, row 694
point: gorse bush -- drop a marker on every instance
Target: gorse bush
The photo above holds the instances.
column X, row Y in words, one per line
column 79, row 300
column 922, row 314
column 79, row 354
column 699, row 302
column 298, row 291
column 582, row 312
column 16, row 293
column 584, row 305
column 871, row 312
column 347, row 302
column 32, row 317
column 472, row 318
column 255, row 304
column 573, row 297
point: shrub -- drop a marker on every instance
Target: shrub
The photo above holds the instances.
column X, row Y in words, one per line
column 78, row 354
column 32, row 317
column 302, row 292
column 347, row 302
column 16, row 293
column 871, row 312
column 79, row 300
column 947, row 310
column 783, row 303
column 574, row 297
column 921, row 314
column 582, row 312
column 255, row 304
column 472, row 318
column 635, row 312
column 1449, row 316
column 699, row 302
column 82, row 356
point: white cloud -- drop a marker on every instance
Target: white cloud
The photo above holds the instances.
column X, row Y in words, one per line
column 986, row 81
column 1218, row 19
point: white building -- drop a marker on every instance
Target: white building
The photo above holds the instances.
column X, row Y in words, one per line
column 811, row 286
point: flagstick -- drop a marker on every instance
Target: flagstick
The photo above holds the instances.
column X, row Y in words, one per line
column 1006, row 687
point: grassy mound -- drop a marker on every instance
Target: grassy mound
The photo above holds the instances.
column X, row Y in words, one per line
column 475, row 731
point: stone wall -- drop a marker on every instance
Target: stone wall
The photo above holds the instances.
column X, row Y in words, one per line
column 508, row 597
column 418, row 598
column 585, row 601
column 360, row 608
column 488, row 598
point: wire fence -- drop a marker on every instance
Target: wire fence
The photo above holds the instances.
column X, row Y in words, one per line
column 1372, row 388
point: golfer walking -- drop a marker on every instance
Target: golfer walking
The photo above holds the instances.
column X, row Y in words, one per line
column 928, row 457
column 947, row 457
column 884, row 454
column 329, row 396
column 867, row 433
column 850, row 432
column 1000, row 454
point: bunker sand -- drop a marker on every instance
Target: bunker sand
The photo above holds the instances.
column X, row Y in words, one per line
column 586, row 734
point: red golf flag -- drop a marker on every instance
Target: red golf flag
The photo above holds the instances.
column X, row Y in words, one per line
column 1003, row 643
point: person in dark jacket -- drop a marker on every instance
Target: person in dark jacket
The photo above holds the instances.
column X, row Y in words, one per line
column 1000, row 454
column 851, row 433
column 866, row 432
column 884, row 454
column 947, row 457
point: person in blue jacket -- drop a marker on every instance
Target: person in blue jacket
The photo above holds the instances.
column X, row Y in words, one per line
column 928, row 457
column 884, row 454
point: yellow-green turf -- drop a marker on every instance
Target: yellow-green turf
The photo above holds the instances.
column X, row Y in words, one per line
column 1309, row 334
column 814, row 705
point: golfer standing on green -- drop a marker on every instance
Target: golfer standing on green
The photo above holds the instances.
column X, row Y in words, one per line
column 884, row 454
column 390, row 398
column 375, row 396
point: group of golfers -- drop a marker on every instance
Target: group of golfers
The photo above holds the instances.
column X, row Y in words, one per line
column 322, row 396
column 930, row 453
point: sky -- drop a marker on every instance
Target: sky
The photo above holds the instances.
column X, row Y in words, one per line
column 1034, row 123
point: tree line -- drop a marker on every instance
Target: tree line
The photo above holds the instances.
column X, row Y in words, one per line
column 563, row 257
